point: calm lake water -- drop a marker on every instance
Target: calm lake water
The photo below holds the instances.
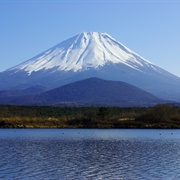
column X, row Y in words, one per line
column 68, row 154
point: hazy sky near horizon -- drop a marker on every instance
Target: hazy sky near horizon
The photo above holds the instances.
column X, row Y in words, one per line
column 151, row 28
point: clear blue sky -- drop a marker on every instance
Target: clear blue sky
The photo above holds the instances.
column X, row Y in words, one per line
column 151, row 28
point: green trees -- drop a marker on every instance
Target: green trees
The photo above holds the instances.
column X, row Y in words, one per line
column 159, row 116
column 164, row 115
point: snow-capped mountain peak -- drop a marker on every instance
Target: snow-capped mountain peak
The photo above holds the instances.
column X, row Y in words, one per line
column 82, row 52
column 87, row 55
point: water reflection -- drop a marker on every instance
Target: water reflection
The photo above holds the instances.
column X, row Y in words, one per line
column 89, row 154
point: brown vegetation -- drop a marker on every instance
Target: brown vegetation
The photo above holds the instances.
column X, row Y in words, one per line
column 160, row 116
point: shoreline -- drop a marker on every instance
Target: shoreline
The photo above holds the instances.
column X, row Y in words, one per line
column 157, row 117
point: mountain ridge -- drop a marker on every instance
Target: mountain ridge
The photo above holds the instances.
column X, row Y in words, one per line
column 83, row 51
column 92, row 91
column 91, row 55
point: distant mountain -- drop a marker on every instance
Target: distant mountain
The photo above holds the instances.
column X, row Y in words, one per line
column 9, row 96
column 91, row 54
column 19, row 92
column 93, row 91
column 37, row 89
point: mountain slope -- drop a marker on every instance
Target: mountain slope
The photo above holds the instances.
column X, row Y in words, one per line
column 93, row 91
column 87, row 55
column 19, row 92
column 85, row 51
column 10, row 96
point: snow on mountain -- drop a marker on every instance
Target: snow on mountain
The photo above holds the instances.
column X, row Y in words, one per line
column 91, row 54
column 84, row 51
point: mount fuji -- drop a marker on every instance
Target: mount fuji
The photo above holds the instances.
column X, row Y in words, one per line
column 91, row 54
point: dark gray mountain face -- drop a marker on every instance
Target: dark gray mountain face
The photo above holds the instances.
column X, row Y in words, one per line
column 91, row 55
column 21, row 92
column 90, row 92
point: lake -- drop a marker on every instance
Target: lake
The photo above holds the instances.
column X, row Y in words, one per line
column 67, row 154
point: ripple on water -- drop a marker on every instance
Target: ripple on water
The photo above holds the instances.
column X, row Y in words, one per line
column 126, row 156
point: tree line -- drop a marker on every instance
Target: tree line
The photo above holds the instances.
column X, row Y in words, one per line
column 159, row 116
